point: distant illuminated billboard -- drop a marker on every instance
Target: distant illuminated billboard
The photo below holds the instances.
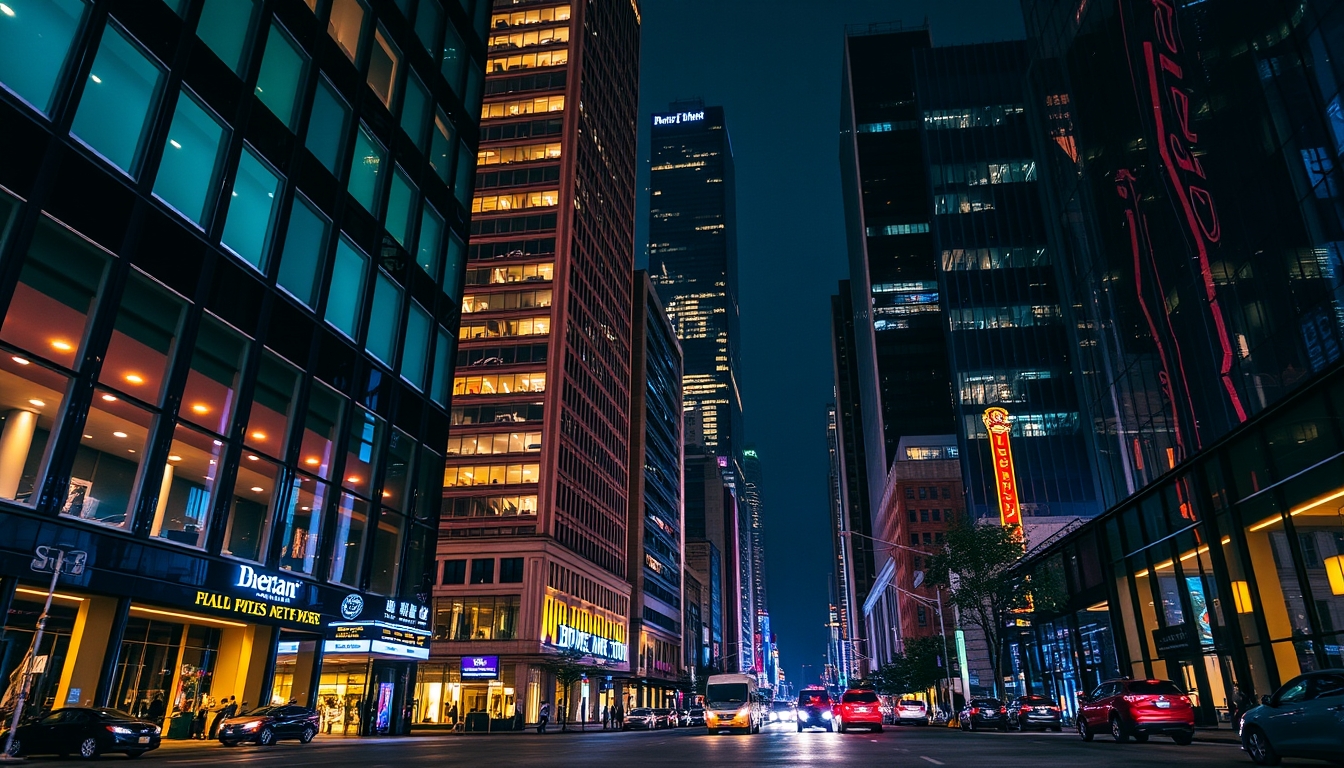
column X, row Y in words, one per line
column 999, row 425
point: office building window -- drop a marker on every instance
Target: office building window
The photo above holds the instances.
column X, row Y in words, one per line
column 428, row 25
column 363, row 446
column 381, row 341
column 300, row 522
column 387, row 544
column 187, row 487
column 454, row 571
column 211, row 392
column 321, row 427
column 34, row 46
column 118, row 101
column 365, row 170
column 476, row 618
column 911, row 515
column 452, row 270
column 249, row 515
column 384, row 66
column 303, row 256
column 414, row 355
column 191, row 155
column 496, row 474
column 430, row 242
column 144, row 335
column 483, row 570
column 441, row 147
column 223, row 28
column 442, row 381
column 346, row 26
column 500, row 384
column 937, row 515
column 347, row 287
column 511, row 570
column 400, row 208
column 352, row 516
column 281, row 76
column 914, row 539
column 415, row 110
column 272, row 399
column 455, row 58
column 923, row 515
column 327, row 126
column 102, row 480
column 252, row 210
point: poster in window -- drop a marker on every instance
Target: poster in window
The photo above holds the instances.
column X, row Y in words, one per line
column 1200, row 606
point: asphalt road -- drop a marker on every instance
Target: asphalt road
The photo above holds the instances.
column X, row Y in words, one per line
column 776, row 746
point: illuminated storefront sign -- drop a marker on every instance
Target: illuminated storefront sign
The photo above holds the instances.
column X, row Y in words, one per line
column 480, row 667
column 391, row 627
column 567, row 627
column 999, row 425
column 677, row 118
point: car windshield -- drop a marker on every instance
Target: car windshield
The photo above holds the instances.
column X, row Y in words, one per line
column 911, row 703
column 697, row 711
column 859, row 697
column 781, row 706
column 814, row 699
column 726, row 694
column 1163, row 687
column 107, row 713
column 263, row 711
column 640, row 712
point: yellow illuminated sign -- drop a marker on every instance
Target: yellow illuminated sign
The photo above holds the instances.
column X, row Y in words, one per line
column 999, row 425
column 241, row 607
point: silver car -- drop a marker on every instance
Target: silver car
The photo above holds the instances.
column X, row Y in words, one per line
column 1304, row 718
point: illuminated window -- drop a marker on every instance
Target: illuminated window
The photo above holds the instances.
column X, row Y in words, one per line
column 118, row 100
column 384, row 66
column 490, row 506
column 327, row 126
column 509, row 41
column 494, row 444
column 303, row 256
column 520, row 18
column 517, row 201
column 366, row 169
column 223, row 28
column 528, row 61
column 281, row 75
column 34, row 45
column 191, row 154
column 506, row 301
column 346, row 25
column 512, row 274
column 500, row 384
column 415, row 110
column 491, row 474
column 527, row 326
column 975, row 117
column 253, row 205
column 994, row 258
column 534, row 106
column 898, row 229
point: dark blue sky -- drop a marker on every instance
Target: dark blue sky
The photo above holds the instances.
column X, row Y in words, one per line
column 774, row 65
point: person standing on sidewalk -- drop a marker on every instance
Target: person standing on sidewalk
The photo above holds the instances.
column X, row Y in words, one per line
column 543, row 716
column 606, row 716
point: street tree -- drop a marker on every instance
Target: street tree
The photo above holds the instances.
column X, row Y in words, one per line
column 918, row 669
column 569, row 669
column 975, row 565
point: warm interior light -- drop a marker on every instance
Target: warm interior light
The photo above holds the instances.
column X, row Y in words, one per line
column 305, row 509
column 200, row 408
column 134, row 378
column 352, row 479
column 256, row 489
column 43, row 594
column 88, row 437
column 1102, row 606
column 174, row 457
column 110, row 398
column 1334, row 570
column 252, row 457
column 175, row 144
column 5, row 9
column 37, row 403
column 258, row 435
column 1298, row 510
column 192, row 617
column 19, row 360
column 311, row 461
column 118, row 434
column 61, row 346
column 1241, row 596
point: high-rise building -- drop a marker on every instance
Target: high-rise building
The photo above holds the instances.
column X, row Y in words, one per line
column 693, row 262
column 231, row 252
column 839, row 592
column 656, row 548
column 1007, row 342
column 534, row 536
column 712, row 519
column 754, row 522
column 900, row 345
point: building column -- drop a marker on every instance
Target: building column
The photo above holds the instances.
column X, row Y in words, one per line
column 112, row 653
column 240, row 669
column 165, row 485
column 95, row 622
column 307, row 673
column 15, row 440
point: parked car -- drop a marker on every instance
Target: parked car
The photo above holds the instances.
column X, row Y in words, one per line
column 84, row 731
column 266, row 725
column 696, row 716
column 641, row 719
column 984, row 713
column 667, row 718
column 859, row 708
column 911, row 711
column 814, row 709
column 1137, row 709
column 1027, row 712
column 1304, row 718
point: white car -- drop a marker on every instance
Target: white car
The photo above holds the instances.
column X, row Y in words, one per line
column 912, row 712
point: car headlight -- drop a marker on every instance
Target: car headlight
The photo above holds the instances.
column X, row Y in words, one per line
column 119, row 729
column 157, row 730
column 825, row 715
column 802, row 717
column 251, row 726
column 743, row 712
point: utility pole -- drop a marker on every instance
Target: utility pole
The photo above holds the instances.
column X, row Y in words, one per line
column 39, row 563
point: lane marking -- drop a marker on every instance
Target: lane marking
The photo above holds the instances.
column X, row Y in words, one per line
column 931, row 760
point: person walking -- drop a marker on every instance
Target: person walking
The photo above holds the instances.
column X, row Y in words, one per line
column 606, row 716
column 544, row 715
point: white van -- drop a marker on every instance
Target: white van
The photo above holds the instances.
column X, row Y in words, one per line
column 731, row 703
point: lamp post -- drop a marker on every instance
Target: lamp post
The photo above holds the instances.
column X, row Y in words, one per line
column 39, row 563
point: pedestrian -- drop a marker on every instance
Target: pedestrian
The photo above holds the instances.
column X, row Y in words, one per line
column 198, row 725
column 543, row 716
column 219, row 716
column 1241, row 704
column 517, row 717
column 620, row 716
column 452, row 715
column 606, row 717
column 157, row 709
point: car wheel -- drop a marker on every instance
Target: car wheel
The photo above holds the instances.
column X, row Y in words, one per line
column 1183, row 739
column 840, row 726
column 1084, row 732
column 307, row 735
column 830, row 727
column 88, row 748
column 1258, row 747
column 265, row 737
column 877, row 729
column 800, row 727
column 1118, row 731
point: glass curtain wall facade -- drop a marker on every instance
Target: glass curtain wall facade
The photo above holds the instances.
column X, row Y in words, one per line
column 230, row 301
column 1006, row 339
column 540, row 427
column 657, row 546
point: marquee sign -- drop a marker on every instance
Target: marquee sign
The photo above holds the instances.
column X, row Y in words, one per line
column 677, row 118
column 569, row 627
column 999, row 424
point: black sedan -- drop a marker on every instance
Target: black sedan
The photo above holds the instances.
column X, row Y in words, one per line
column 984, row 713
column 87, row 732
column 1027, row 712
column 266, row 725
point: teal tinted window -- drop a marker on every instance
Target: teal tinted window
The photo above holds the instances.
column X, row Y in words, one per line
column 431, row 241
column 252, row 207
column 118, row 98
column 416, row 350
column 442, row 385
column 190, row 155
column 223, row 28
column 400, row 207
column 327, row 126
column 383, row 319
column 347, row 287
column 466, row 167
column 365, row 168
column 452, row 271
column 441, row 147
column 179, row 6
column 305, row 243
column 472, row 100
column 415, row 110
column 35, row 37
column 455, row 58
column 281, row 75
column 428, row 22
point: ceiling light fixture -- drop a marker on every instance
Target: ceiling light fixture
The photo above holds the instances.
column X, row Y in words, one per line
column 61, row 346
column 174, row 457
column 36, row 402
column 200, row 408
column 256, row 489
column 20, row 360
column 118, row 434
column 134, row 378
column 110, row 398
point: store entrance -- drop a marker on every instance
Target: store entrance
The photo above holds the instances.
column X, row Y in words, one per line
column 1208, row 681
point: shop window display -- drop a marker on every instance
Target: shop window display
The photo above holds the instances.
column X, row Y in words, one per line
column 107, row 464
column 19, row 629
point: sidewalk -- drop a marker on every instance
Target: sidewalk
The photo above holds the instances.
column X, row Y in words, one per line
column 1217, row 736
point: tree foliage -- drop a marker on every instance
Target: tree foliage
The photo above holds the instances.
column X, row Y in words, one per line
column 916, row 670
column 975, row 566
column 569, row 668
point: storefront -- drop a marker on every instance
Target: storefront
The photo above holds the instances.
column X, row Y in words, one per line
column 1227, row 574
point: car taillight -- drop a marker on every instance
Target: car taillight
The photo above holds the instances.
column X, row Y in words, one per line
column 975, row 710
column 1183, row 699
column 1028, row 709
column 1003, row 710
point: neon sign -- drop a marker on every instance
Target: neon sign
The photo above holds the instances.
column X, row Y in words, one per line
column 677, row 118
column 999, row 425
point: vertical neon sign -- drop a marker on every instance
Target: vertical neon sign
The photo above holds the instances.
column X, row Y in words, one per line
column 998, row 424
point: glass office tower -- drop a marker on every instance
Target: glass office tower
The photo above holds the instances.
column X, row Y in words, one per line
column 534, row 534
column 230, row 250
column 1006, row 339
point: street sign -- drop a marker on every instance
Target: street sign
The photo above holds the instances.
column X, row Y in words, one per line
column 72, row 564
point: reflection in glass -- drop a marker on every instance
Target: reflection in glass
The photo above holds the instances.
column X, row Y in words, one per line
column 441, row 147
column 252, row 209
column 102, row 480
column 414, row 355
column 305, row 243
column 352, row 516
column 211, row 393
column 347, row 287
column 194, row 146
column 34, row 44
column 330, row 118
column 281, row 75
column 300, row 523
column 384, row 65
column 387, row 541
column 384, row 318
column 414, row 110
column 321, row 426
column 345, row 25
column 365, row 440
column 223, row 28
column 397, row 474
column 253, row 491
column 30, row 401
column 400, row 207
column 272, row 398
column 365, row 166
column 115, row 109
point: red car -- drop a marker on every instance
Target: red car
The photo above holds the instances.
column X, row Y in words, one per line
column 1137, row 709
column 859, row 708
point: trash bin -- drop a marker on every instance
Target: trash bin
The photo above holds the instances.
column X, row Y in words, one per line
column 179, row 726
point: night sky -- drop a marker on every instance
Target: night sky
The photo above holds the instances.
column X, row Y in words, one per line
column 774, row 65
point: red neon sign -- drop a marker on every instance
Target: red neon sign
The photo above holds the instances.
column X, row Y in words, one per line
column 998, row 424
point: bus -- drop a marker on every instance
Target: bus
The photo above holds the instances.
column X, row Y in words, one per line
column 732, row 703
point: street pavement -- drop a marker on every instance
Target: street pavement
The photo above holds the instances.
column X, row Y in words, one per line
column 776, row 746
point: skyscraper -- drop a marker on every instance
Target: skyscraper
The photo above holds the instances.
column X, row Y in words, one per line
column 656, row 527
column 753, row 511
column 1006, row 337
column 693, row 261
column 534, row 534
column 231, row 252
